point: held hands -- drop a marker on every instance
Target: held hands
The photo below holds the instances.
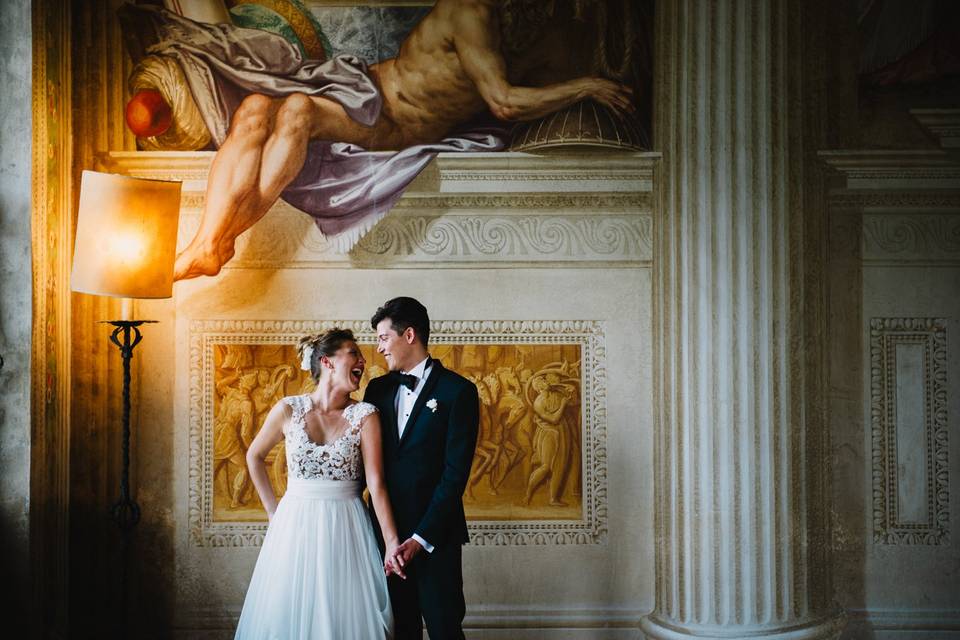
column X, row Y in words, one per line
column 397, row 557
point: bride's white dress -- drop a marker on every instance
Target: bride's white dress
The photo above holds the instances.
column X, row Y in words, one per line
column 319, row 574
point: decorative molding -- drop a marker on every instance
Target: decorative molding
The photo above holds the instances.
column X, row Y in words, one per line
column 912, row 237
column 899, row 199
column 577, row 201
column 160, row 165
column 655, row 627
column 944, row 124
column 885, row 335
column 590, row 529
column 288, row 239
column 50, row 375
column 905, row 620
column 483, row 209
column 448, row 173
column 933, row 166
column 525, row 238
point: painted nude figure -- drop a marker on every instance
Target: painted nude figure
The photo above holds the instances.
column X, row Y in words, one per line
column 449, row 69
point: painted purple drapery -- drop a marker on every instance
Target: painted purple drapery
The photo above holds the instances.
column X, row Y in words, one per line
column 344, row 187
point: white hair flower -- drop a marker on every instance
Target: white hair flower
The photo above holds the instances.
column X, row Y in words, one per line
column 307, row 361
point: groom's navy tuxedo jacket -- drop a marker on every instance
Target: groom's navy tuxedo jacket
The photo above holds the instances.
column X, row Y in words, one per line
column 427, row 469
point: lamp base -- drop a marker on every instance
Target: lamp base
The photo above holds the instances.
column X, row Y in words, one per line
column 126, row 513
column 126, row 335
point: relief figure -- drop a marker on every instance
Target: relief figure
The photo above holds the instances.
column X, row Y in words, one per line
column 233, row 431
column 552, row 438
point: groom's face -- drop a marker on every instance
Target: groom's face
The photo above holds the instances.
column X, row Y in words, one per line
column 396, row 348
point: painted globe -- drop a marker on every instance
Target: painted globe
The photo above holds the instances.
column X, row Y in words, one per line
column 584, row 124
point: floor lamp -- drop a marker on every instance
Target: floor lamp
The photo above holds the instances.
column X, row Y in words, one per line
column 125, row 247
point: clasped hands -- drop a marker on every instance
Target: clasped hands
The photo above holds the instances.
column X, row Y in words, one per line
column 397, row 557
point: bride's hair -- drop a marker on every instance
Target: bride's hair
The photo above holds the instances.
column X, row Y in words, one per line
column 322, row 344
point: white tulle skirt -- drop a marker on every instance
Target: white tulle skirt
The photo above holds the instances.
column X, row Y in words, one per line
column 319, row 574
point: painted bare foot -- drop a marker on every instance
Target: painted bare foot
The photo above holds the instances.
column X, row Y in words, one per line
column 194, row 262
column 202, row 259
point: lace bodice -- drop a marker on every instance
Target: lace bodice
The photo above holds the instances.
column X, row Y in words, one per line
column 337, row 460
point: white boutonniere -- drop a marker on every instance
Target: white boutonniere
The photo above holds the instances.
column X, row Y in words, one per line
column 432, row 404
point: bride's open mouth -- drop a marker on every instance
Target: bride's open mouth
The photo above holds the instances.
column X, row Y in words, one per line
column 356, row 374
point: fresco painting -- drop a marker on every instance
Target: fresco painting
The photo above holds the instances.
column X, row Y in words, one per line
column 299, row 114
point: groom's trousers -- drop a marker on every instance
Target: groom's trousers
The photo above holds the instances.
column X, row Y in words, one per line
column 433, row 589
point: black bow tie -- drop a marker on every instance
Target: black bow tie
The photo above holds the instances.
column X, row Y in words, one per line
column 406, row 379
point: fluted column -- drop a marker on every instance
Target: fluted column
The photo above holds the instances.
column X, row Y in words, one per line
column 738, row 547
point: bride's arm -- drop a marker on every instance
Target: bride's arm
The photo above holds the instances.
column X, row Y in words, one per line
column 372, row 448
column 269, row 435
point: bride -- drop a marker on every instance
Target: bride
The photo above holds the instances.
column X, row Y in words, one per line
column 319, row 574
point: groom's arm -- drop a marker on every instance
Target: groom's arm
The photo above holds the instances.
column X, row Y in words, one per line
column 461, row 441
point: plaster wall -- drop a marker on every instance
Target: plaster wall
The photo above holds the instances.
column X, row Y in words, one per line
column 894, row 406
column 15, row 296
column 518, row 587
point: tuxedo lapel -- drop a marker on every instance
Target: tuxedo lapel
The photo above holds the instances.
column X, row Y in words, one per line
column 388, row 409
column 425, row 394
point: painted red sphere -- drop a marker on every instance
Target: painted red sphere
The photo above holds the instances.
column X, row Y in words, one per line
column 148, row 114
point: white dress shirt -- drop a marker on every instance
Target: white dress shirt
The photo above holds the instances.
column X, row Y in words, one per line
column 406, row 398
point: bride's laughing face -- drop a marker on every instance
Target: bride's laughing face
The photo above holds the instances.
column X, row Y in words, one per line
column 348, row 365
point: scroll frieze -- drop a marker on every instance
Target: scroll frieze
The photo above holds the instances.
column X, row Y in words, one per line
column 912, row 237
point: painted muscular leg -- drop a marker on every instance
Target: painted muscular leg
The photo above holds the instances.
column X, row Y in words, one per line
column 263, row 152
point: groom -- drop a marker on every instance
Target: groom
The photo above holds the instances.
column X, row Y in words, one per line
column 430, row 419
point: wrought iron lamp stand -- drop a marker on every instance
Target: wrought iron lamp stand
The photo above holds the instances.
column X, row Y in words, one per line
column 125, row 511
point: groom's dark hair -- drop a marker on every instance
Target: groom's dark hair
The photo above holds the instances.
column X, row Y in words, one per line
column 404, row 312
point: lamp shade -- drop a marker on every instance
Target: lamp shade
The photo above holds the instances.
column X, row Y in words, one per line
column 126, row 236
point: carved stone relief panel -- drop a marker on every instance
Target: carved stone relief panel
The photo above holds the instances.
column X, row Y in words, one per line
column 539, row 474
column 908, row 408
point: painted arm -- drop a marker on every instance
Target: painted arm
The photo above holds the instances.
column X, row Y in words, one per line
column 266, row 439
column 477, row 43
column 371, row 446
